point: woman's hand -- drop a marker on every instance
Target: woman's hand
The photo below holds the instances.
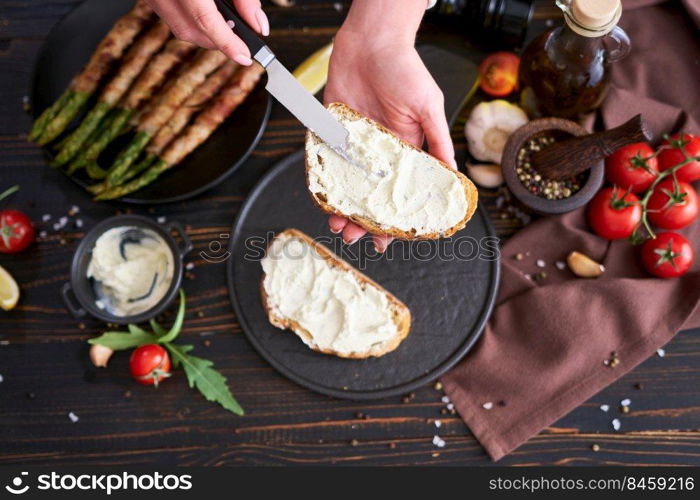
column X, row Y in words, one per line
column 382, row 76
column 200, row 22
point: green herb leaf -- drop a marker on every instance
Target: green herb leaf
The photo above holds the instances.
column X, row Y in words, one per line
column 135, row 330
column 177, row 325
column 119, row 341
column 201, row 374
column 9, row 191
column 157, row 329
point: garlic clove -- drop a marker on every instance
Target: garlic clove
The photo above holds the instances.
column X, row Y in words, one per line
column 489, row 126
column 583, row 266
column 485, row 175
column 99, row 355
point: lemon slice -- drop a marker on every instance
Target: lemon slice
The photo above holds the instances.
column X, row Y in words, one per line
column 313, row 72
column 9, row 291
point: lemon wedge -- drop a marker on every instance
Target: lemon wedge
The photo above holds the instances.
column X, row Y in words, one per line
column 313, row 72
column 9, row 291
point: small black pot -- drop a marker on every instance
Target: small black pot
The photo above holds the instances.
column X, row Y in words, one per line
column 80, row 288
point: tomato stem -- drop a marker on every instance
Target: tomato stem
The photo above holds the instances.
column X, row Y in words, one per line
column 673, row 143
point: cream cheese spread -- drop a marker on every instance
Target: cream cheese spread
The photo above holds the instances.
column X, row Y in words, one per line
column 395, row 186
column 132, row 269
column 339, row 312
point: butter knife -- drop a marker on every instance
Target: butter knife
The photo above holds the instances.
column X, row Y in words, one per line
column 286, row 89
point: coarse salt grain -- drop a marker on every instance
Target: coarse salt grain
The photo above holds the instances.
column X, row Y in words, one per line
column 616, row 424
column 604, row 407
column 45, row 217
column 78, row 222
column 661, row 352
column 56, row 226
column 73, row 417
column 43, row 234
column 75, row 209
column 436, row 439
column 445, row 399
column 450, row 406
column 540, row 263
column 560, row 265
column 487, row 406
column 441, row 443
column 4, row 342
column 626, row 402
column 438, row 424
column 189, row 266
column 1, row 378
column 161, row 220
column 63, row 220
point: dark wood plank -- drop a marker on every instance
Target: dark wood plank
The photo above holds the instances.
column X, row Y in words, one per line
column 43, row 353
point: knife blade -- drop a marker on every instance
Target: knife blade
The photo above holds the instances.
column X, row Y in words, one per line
column 286, row 89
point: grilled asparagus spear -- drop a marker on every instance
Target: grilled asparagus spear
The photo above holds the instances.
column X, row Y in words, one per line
column 164, row 108
column 220, row 108
column 56, row 118
column 158, row 69
column 136, row 58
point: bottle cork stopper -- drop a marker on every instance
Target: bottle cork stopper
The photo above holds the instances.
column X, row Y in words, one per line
column 595, row 13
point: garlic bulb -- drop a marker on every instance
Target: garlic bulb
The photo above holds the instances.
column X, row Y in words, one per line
column 488, row 176
column 489, row 126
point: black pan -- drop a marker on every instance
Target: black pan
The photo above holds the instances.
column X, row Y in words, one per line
column 67, row 49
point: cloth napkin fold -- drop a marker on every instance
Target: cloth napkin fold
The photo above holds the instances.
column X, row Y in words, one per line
column 543, row 352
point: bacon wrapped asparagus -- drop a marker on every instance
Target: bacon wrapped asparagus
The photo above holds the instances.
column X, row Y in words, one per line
column 165, row 106
column 152, row 77
column 56, row 118
column 178, row 121
column 135, row 60
column 220, row 108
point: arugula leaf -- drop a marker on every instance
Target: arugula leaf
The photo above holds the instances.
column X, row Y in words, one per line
column 177, row 325
column 206, row 379
column 119, row 341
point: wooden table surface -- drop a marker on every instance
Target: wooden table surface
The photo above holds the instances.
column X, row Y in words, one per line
column 46, row 372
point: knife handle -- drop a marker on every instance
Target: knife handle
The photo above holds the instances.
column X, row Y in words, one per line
column 240, row 28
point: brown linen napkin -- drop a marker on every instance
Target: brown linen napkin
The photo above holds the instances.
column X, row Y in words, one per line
column 543, row 351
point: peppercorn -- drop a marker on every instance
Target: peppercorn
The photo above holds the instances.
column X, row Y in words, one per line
column 534, row 182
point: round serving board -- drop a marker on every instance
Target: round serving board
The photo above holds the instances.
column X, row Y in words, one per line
column 67, row 49
column 449, row 285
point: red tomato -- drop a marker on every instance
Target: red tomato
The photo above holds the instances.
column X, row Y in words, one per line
column 499, row 74
column 672, row 208
column 16, row 231
column 149, row 364
column 668, row 255
column 614, row 213
column 632, row 167
column 673, row 156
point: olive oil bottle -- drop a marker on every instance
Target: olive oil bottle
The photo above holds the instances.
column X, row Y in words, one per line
column 565, row 72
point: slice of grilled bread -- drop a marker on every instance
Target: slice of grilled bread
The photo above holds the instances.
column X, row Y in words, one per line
column 331, row 306
column 390, row 186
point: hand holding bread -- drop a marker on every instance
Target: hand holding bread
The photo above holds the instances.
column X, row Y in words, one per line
column 388, row 83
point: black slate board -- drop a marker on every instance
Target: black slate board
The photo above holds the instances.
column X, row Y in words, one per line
column 62, row 56
column 450, row 299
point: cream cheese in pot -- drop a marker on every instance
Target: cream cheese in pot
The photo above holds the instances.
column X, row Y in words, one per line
column 132, row 269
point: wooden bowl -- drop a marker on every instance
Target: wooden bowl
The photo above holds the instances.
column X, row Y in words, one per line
column 560, row 129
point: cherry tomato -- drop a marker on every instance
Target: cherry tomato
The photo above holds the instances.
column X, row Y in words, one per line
column 499, row 74
column 671, row 157
column 673, row 207
column 668, row 255
column 632, row 167
column 16, row 231
column 149, row 364
column 614, row 213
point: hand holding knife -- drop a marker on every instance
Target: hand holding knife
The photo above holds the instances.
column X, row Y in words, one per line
column 286, row 89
